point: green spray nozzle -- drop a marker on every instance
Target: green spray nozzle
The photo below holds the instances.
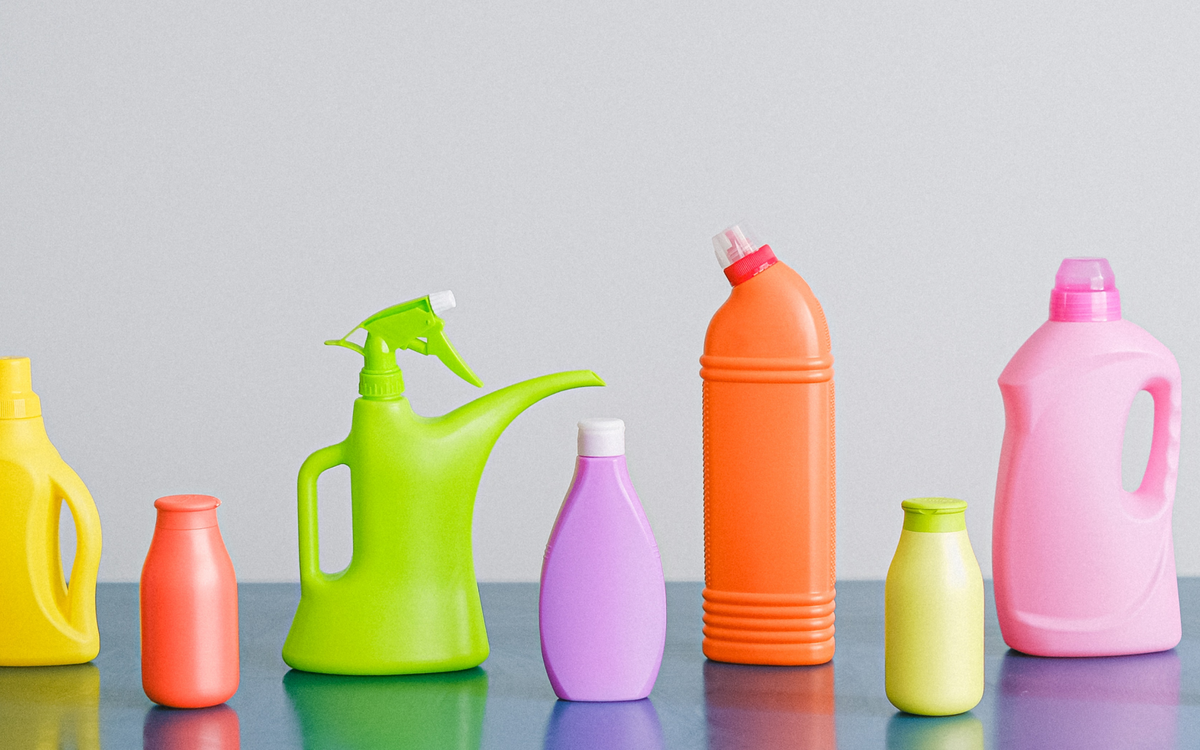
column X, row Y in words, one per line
column 412, row 325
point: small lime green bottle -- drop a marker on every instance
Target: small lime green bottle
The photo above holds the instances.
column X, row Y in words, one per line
column 933, row 613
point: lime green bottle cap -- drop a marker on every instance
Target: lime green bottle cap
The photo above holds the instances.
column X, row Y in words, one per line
column 936, row 514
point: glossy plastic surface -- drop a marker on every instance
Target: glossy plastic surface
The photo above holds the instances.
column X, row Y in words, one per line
column 603, row 726
column 442, row 711
column 407, row 602
column 189, row 607
column 602, row 606
column 769, row 484
column 1117, row 702
column 699, row 703
column 50, row 707
column 215, row 728
column 933, row 615
column 750, row 706
column 43, row 621
column 1082, row 567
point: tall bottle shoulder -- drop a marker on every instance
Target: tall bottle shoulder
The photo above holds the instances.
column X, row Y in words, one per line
column 601, row 487
column 26, row 439
column 1066, row 347
column 601, row 476
column 775, row 314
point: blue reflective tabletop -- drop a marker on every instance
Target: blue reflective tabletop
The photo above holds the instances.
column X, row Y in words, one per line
column 1135, row 701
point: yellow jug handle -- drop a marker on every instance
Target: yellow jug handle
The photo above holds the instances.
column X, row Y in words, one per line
column 81, row 591
column 306, row 509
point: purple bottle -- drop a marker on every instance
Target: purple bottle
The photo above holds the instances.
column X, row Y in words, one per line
column 603, row 606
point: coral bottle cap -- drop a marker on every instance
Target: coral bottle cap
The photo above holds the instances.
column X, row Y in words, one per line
column 186, row 511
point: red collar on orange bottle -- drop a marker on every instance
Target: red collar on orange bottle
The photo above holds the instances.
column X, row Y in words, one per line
column 750, row 266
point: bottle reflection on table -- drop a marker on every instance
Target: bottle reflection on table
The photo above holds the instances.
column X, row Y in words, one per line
column 765, row 707
column 50, row 707
column 441, row 711
column 214, row 728
column 576, row 725
column 909, row 732
column 1111, row 701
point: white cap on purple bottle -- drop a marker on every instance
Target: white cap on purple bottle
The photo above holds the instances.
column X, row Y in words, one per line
column 601, row 437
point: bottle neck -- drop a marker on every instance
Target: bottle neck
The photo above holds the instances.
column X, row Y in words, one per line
column 196, row 519
column 380, row 378
column 25, row 433
column 1073, row 306
column 750, row 266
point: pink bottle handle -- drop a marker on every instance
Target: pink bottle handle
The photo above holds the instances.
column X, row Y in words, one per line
column 1162, row 468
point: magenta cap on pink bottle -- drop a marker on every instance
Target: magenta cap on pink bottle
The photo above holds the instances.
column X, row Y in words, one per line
column 1085, row 290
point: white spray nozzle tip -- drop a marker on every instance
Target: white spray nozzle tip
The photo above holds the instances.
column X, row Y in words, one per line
column 602, row 437
column 441, row 301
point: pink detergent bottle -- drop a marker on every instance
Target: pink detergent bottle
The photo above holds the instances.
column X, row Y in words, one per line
column 602, row 610
column 1082, row 567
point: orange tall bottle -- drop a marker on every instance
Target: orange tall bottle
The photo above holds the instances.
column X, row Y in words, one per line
column 769, row 497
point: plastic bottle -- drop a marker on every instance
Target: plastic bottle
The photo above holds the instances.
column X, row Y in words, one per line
column 189, row 607
column 1082, row 567
column 933, row 613
column 45, row 622
column 408, row 602
column 602, row 607
column 769, row 498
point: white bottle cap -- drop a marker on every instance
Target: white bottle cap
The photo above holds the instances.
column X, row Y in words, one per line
column 601, row 437
column 441, row 301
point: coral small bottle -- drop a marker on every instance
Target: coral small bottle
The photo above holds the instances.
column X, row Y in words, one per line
column 602, row 610
column 1082, row 567
column 769, row 499
column 189, row 607
column 933, row 613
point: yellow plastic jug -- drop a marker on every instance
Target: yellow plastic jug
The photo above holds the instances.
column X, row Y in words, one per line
column 43, row 621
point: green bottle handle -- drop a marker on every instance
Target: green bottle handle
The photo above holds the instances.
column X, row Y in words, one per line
column 306, row 493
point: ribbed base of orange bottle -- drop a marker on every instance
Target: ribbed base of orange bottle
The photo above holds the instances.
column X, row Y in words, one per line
column 777, row 629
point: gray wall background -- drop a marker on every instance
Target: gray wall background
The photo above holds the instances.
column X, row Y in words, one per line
column 193, row 196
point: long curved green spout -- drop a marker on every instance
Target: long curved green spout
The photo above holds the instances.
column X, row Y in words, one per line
column 408, row 601
column 477, row 426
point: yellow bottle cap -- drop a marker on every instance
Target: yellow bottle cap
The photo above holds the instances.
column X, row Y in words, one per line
column 937, row 514
column 17, row 399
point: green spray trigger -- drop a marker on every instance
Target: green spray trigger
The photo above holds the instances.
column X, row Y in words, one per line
column 412, row 325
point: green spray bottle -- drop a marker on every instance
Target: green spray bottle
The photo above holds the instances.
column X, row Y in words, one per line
column 408, row 602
